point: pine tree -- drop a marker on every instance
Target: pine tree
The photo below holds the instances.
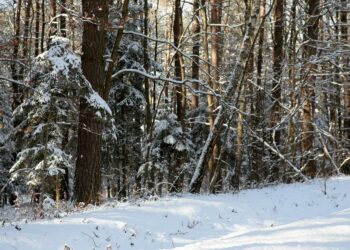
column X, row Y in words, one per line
column 48, row 115
column 6, row 145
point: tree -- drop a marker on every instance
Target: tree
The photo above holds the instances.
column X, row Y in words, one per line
column 259, row 172
column 6, row 145
column 16, row 43
column 175, row 173
column 88, row 168
column 346, row 80
column 53, row 18
column 308, row 91
column 195, row 51
column 37, row 27
column 236, row 77
column 46, row 115
column 216, row 59
column 278, row 59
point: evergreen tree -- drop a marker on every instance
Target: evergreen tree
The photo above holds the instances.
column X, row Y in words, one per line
column 6, row 145
column 46, row 134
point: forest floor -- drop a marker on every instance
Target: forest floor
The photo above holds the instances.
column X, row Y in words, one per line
column 294, row 216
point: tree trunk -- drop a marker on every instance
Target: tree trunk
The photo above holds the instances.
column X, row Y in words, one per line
column 237, row 75
column 16, row 95
column 149, row 171
column 292, row 80
column 216, row 55
column 308, row 91
column 276, row 85
column 37, row 27
column 53, row 20
column 196, row 29
column 207, row 70
column 258, row 170
column 87, row 172
column 346, row 81
column 239, row 143
column 42, row 26
column 63, row 25
column 148, row 117
column 27, row 33
column 175, row 171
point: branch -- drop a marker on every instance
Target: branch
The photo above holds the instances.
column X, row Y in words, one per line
column 166, row 79
column 18, row 83
column 114, row 55
column 281, row 156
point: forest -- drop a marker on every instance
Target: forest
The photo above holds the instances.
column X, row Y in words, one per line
column 135, row 99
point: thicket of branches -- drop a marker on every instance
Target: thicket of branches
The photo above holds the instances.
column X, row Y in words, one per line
column 140, row 98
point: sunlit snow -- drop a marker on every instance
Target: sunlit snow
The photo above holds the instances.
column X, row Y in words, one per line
column 295, row 216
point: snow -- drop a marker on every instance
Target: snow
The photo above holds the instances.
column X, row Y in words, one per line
column 96, row 101
column 294, row 216
column 170, row 140
column 4, row 4
column 62, row 60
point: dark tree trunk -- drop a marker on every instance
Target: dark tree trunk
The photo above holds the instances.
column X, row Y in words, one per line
column 42, row 26
column 149, row 172
column 308, row 91
column 16, row 95
column 87, row 172
column 175, row 171
column 37, row 27
column 216, row 56
column 276, row 84
column 63, row 25
column 292, row 80
column 258, row 169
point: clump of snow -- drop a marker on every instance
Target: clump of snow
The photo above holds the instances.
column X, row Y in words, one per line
column 170, row 140
column 160, row 126
column 62, row 60
column 96, row 101
column 48, row 204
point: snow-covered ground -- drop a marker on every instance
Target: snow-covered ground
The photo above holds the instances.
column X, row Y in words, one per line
column 296, row 216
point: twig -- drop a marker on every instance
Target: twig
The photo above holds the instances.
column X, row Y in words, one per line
column 91, row 239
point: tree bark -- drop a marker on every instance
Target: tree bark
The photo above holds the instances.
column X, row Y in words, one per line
column 216, row 56
column 149, row 171
column 237, row 75
column 239, row 143
column 242, row 109
column 210, row 97
column 63, row 23
column 195, row 51
column 146, row 65
column 346, row 81
column 37, row 27
column 292, row 81
column 87, row 172
column 15, row 87
column 258, row 169
column 175, row 175
column 27, row 33
column 278, row 57
column 42, row 26
column 53, row 21
column 308, row 91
